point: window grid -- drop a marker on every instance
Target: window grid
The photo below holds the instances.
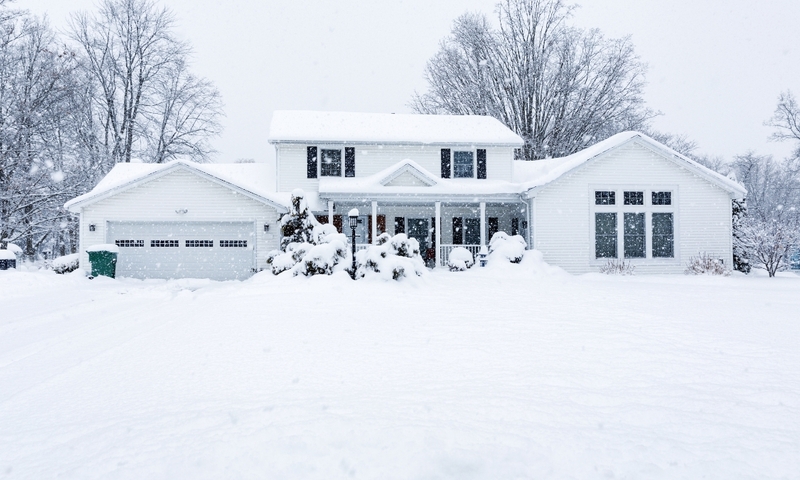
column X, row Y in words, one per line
column 662, row 198
column 199, row 243
column 605, row 197
column 331, row 163
column 233, row 243
column 129, row 243
column 463, row 164
column 633, row 198
column 164, row 243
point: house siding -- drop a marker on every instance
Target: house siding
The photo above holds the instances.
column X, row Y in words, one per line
column 371, row 159
column 562, row 210
column 157, row 200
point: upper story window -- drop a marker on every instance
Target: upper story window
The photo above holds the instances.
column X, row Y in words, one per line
column 633, row 198
column 327, row 162
column 331, row 163
column 662, row 198
column 464, row 163
column 602, row 197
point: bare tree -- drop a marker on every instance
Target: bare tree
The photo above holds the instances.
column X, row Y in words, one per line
column 768, row 242
column 559, row 87
column 146, row 103
column 786, row 120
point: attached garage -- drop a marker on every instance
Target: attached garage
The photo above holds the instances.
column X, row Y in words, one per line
column 215, row 250
column 183, row 220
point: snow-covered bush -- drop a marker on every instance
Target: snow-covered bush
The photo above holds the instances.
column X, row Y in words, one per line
column 507, row 248
column 16, row 250
column 705, row 264
column 460, row 259
column 392, row 258
column 618, row 267
column 66, row 264
column 307, row 247
column 767, row 242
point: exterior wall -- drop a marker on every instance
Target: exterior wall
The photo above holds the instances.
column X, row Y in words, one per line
column 371, row 159
column 158, row 199
column 563, row 227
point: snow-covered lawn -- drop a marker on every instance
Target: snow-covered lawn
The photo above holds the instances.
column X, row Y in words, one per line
column 490, row 373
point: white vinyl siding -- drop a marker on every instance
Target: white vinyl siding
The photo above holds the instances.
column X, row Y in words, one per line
column 157, row 201
column 371, row 159
column 563, row 211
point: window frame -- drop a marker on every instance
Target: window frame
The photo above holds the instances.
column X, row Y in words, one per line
column 342, row 158
column 648, row 208
column 474, row 152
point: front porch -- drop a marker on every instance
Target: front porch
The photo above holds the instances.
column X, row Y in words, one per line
column 438, row 226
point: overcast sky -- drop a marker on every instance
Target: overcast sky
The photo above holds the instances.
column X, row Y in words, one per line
column 716, row 67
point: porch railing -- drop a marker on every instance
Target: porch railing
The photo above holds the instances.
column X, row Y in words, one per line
column 444, row 252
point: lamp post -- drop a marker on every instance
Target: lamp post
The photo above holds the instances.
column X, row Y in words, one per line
column 353, row 214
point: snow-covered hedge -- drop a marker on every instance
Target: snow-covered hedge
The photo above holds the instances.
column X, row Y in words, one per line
column 392, row 258
column 307, row 247
column 618, row 267
column 705, row 264
column 506, row 248
column 66, row 264
column 460, row 259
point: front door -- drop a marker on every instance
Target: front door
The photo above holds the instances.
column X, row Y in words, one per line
column 418, row 229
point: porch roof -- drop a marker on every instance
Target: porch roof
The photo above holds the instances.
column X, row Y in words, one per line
column 427, row 187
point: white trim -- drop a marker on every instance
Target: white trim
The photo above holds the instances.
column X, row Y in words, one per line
column 483, row 223
column 407, row 167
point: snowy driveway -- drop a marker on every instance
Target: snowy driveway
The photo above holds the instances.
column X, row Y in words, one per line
column 484, row 374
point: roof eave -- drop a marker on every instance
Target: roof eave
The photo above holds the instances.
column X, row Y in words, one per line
column 393, row 142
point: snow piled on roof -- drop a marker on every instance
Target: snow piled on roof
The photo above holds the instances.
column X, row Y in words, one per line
column 541, row 172
column 252, row 177
column 344, row 127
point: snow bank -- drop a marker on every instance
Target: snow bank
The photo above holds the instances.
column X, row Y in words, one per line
column 7, row 255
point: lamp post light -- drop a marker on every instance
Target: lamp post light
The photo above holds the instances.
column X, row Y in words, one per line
column 353, row 214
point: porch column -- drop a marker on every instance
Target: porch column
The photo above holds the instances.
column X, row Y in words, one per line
column 330, row 212
column 438, row 230
column 374, row 221
column 483, row 223
column 529, row 207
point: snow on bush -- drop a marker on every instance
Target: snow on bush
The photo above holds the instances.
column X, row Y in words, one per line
column 66, row 264
column 507, row 248
column 307, row 247
column 17, row 251
column 618, row 267
column 705, row 264
column 460, row 259
column 391, row 258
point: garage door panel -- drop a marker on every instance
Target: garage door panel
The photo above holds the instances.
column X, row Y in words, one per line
column 215, row 262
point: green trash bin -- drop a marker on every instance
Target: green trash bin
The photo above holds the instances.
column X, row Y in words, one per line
column 103, row 259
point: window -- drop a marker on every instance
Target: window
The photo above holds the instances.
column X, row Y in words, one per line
column 662, row 198
column 200, row 243
column 633, row 198
column 233, row 243
column 399, row 225
column 634, row 235
column 331, row 164
column 472, row 231
column 458, row 231
column 605, row 235
column 164, row 243
column 663, row 235
column 129, row 243
column 604, row 198
column 463, row 165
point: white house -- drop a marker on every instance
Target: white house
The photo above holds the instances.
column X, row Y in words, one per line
column 445, row 180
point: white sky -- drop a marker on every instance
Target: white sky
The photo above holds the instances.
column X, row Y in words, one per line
column 716, row 66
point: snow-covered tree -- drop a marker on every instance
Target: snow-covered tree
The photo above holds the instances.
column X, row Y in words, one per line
column 559, row 87
column 768, row 241
column 391, row 258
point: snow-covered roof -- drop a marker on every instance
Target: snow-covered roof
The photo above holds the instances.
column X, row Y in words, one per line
column 532, row 175
column 430, row 185
column 250, row 178
column 348, row 127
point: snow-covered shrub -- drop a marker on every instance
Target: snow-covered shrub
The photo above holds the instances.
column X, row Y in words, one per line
column 394, row 258
column 460, row 259
column 16, row 250
column 507, row 248
column 66, row 264
column 307, row 247
column 618, row 267
column 705, row 264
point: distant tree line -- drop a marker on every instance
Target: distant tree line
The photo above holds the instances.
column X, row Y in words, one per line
column 117, row 87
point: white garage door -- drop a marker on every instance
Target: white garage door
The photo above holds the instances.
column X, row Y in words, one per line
column 215, row 250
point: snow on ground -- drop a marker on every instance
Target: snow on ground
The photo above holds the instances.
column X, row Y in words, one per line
column 514, row 372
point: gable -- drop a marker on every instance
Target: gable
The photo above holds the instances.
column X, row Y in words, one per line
column 408, row 179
